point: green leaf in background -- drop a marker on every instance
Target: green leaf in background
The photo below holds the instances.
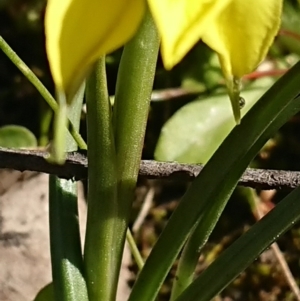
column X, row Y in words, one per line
column 15, row 136
column 195, row 131
column 290, row 23
column 203, row 76
column 45, row 294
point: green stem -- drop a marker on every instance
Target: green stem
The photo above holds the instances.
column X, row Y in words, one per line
column 102, row 237
column 45, row 122
column 66, row 255
column 27, row 72
column 131, row 108
column 58, row 147
column 134, row 250
column 233, row 88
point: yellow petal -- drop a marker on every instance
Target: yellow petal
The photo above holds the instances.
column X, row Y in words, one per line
column 243, row 33
column 181, row 23
column 80, row 31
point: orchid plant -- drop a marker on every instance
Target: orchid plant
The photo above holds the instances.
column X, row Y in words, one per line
column 78, row 36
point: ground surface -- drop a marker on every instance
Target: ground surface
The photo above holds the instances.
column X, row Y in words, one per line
column 24, row 236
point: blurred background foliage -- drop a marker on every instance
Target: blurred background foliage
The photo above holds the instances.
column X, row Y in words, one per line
column 190, row 115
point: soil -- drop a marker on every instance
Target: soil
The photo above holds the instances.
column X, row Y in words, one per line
column 24, row 236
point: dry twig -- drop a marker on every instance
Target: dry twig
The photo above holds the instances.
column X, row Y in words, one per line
column 76, row 166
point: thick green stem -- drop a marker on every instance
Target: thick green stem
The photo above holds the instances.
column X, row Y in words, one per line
column 102, row 238
column 66, row 255
column 131, row 107
column 27, row 72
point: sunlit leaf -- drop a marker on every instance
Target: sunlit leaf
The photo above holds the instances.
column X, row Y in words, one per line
column 16, row 136
column 194, row 132
column 78, row 32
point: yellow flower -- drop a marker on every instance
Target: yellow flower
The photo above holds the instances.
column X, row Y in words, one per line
column 240, row 31
column 242, row 35
column 80, row 31
column 182, row 24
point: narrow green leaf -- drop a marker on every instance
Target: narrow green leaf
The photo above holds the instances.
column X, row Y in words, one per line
column 218, row 178
column 244, row 250
column 66, row 256
column 191, row 251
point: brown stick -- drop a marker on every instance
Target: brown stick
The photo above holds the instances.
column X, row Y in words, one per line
column 76, row 166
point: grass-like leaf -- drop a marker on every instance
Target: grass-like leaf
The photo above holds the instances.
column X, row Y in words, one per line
column 218, row 178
